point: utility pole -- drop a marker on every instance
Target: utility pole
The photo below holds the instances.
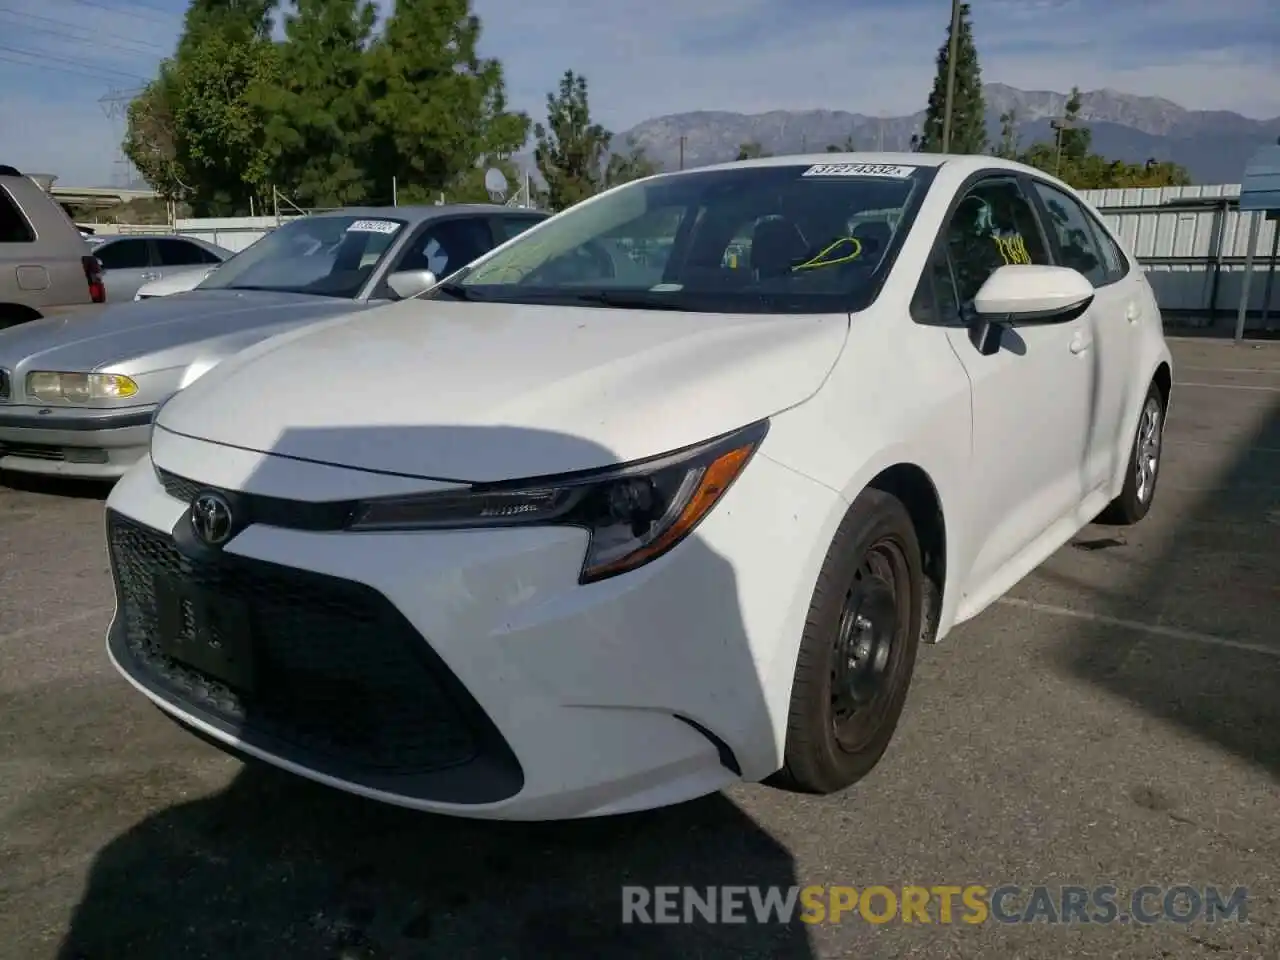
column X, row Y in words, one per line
column 1058, row 124
column 682, row 153
column 951, row 76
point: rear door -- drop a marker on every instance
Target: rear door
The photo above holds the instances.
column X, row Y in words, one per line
column 1030, row 399
column 1112, row 318
column 127, row 264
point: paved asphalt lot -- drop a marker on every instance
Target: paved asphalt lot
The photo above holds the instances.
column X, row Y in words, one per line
column 1117, row 720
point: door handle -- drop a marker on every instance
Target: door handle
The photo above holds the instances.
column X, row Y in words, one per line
column 1080, row 343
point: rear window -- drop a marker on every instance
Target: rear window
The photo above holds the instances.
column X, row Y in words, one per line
column 13, row 225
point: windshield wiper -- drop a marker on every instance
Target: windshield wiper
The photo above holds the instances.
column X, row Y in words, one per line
column 455, row 290
column 625, row 300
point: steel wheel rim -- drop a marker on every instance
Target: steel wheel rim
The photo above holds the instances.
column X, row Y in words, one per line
column 869, row 644
column 1147, row 450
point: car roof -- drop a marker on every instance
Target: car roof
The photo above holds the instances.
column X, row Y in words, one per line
column 417, row 213
column 963, row 163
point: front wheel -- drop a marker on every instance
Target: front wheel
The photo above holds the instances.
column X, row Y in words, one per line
column 858, row 650
column 1144, row 465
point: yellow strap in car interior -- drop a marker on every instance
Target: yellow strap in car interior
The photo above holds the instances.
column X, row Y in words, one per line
column 820, row 261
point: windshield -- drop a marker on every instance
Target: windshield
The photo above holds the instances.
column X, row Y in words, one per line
column 809, row 238
column 328, row 256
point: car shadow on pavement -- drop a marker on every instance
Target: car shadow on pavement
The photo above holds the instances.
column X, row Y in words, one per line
column 56, row 486
column 275, row 865
column 1215, row 677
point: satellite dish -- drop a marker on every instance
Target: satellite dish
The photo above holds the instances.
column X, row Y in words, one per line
column 495, row 181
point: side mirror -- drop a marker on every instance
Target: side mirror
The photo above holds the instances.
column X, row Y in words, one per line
column 1026, row 295
column 410, row 283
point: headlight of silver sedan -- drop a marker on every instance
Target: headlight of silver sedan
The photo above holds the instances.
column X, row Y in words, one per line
column 51, row 386
column 635, row 513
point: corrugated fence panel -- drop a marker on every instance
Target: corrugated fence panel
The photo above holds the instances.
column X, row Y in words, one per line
column 1201, row 235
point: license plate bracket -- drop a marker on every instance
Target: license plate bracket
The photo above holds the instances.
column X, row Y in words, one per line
column 210, row 633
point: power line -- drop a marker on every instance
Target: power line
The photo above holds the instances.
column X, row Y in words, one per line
column 95, row 34
column 95, row 41
column 47, row 66
column 75, row 63
column 150, row 14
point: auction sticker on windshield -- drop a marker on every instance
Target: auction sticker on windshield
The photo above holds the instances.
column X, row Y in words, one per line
column 892, row 171
column 373, row 226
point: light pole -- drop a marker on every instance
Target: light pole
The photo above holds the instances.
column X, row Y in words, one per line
column 951, row 76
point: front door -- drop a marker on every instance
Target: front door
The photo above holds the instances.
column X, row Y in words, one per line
column 1080, row 243
column 1030, row 399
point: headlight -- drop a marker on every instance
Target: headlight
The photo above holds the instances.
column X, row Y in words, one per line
column 52, row 387
column 634, row 513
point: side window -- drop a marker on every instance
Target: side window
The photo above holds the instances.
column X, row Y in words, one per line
column 935, row 301
column 510, row 227
column 1077, row 247
column 13, row 225
column 124, row 255
column 994, row 225
column 179, row 253
column 446, row 247
column 1112, row 256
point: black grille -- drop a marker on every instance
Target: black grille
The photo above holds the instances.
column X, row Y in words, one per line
column 178, row 487
column 31, row 451
column 341, row 676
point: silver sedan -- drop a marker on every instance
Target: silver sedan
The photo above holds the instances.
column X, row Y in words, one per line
column 77, row 397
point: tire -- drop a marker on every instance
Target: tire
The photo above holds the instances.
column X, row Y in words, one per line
column 872, row 572
column 1143, row 471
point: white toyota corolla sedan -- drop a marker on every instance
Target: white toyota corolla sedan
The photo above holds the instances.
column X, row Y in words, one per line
column 661, row 495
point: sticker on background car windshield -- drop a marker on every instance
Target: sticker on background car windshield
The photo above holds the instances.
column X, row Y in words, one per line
column 894, row 171
column 373, row 226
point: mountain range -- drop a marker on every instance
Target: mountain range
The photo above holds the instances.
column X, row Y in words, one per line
column 1213, row 145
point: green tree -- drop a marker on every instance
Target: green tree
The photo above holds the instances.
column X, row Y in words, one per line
column 571, row 149
column 437, row 110
column 317, row 121
column 751, row 150
column 151, row 141
column 634, row 164
column 1008, row 145
column 968, row 114
column 218, row 123
column 194, row 131
column 847, row 147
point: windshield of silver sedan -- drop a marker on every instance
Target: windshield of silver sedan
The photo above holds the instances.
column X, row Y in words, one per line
column 804, row 238
column 329, row 256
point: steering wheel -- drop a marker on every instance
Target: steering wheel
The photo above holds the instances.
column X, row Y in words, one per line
column 587, row 261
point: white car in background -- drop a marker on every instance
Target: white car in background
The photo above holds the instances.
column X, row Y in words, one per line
column 576, row 534
column 175, row 281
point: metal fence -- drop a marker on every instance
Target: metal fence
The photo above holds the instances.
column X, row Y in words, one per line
column 1193, row 243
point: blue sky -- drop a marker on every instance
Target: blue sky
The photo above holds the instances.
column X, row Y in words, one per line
column 59, row 57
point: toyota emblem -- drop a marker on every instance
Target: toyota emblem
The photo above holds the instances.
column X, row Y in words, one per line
column 211, row 519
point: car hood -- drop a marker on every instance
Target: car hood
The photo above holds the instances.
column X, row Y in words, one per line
column 482, row 392
column 115, row 334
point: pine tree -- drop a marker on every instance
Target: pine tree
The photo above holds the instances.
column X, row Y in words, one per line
column 438, row 109
column 968, row 114
column 317, row 119
column 571, row 148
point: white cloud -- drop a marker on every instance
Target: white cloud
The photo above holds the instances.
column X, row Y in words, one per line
column 669, row 56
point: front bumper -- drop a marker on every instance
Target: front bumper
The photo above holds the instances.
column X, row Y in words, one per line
column 467, row 672
column 83, row 443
